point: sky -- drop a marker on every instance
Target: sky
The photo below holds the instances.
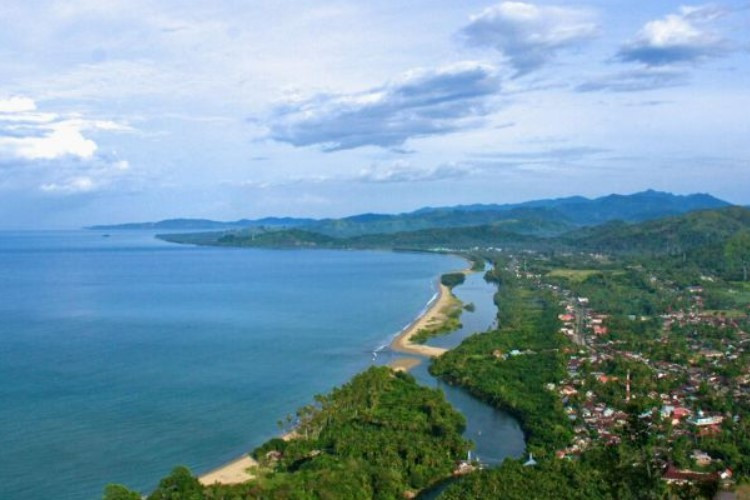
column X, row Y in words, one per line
column 127, row 110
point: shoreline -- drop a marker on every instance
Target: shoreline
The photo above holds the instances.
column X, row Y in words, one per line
column 239, row 470
column 234, row 472
column 403, row 344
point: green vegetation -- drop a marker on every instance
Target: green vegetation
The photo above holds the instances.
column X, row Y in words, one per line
column 378, row 436
column 692, row 244
column 510, row 367
column 737, row 253
column 661, row 304
column 604, row 473
column 448, row 321
column 477, row 263
column 540, row 217
column 452, row 280
column 573, row 274
column 454, row 238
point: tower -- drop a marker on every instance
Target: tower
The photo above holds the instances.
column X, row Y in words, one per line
column 627, row 388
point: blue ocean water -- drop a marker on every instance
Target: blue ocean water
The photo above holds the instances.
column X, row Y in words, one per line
column 123, row 356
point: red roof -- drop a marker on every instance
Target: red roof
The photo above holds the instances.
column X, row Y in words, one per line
column 674, row 474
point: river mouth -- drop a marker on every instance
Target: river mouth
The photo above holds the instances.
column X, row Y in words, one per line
column 496, row 434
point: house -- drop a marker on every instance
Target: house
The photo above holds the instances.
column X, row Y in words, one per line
column 701, row 458
column 673, row 475
column 568, row 391
column 701, row 420
column 600, row 330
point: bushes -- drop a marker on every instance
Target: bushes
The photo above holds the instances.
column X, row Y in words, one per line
column 452, row 279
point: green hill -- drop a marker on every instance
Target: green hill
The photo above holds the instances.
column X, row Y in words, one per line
column 539, row 217
column 668, row 235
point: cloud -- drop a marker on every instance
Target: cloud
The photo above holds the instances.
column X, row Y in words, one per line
column 541, row 161
column 683, row 37
column 566, row 153
column 636, row 80
column 26, row 134
column 402, row 171
column 53, row 152
column 75, row 185
column 16, row 104
column 527, row 35
column 418, row 104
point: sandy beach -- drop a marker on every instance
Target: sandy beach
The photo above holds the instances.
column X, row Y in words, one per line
column 234, row 472
column 433, row 315
column 404, row 364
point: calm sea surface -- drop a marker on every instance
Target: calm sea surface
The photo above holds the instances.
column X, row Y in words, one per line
column 123, row 356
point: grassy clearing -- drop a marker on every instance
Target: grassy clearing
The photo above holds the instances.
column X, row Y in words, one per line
column 575, row 275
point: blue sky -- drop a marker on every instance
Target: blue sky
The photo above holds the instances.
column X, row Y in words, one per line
column 123, row 110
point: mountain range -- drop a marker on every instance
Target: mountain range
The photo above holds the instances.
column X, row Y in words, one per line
column 546, row 217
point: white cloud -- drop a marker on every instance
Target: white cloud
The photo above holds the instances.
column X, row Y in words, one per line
column 418, row 104
column 70, row 186
column 403, row 171
column 55, row 152
column 683, row 37
column 527, row 35
column 17, row 104
column 29, row 135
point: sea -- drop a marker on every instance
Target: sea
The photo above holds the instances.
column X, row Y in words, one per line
column 122, row 355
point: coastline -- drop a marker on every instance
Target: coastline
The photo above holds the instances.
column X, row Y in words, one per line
column 235, row 472
column 402, row 343
column 434, row 313
column 240, row 470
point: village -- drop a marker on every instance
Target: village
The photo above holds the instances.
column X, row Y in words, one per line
column 606, row 378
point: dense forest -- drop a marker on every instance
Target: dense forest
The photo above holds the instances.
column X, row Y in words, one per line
column 381, row 435
column 509, row 367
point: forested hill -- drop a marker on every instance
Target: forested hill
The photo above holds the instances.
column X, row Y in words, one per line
column 715, row 241
column 668, row 235
column 541, row 221
column 455, row 238
column 707, row 239
column 538, row 217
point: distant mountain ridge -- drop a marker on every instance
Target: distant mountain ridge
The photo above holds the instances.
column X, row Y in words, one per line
column 192, row 224
column 537, row 217
column 636, row 207
column 716, row 240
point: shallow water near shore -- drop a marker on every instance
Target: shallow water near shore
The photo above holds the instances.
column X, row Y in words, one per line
column 123, row 356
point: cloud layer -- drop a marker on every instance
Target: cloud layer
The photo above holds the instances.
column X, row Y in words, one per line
column 402, row 171
column 636, row 80
column 683, row 37
column 64, row 158
column 27, row 134
column 420, row 103
column 527, row 35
